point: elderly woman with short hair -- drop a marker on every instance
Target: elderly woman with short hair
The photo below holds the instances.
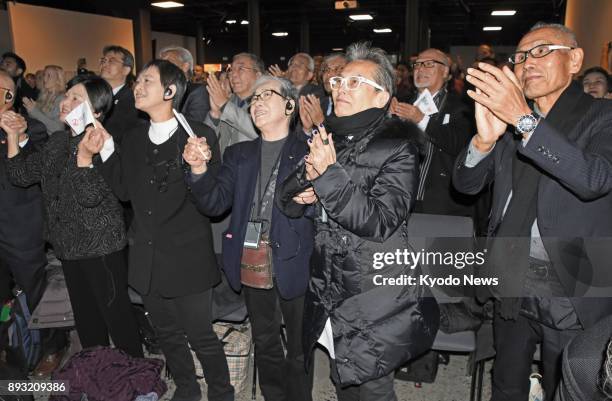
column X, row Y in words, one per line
column 362, row 173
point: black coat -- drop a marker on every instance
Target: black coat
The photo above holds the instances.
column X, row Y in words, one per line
column 234, row 187
column 367, row 195
column 171, row 248
column 83, row 219
column 449, row 131
column 196, row 103
column 574, row 198
column 123, row 116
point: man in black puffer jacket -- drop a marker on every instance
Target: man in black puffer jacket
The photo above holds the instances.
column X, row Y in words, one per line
column 362, row 184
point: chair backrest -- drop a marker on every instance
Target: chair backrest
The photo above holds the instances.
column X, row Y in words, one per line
column 433, row 232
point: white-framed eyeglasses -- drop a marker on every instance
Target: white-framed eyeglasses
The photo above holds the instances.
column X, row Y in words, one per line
column 538, row 51
column 352, row 83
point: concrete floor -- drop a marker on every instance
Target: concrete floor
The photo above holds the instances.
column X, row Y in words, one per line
column 452, row 384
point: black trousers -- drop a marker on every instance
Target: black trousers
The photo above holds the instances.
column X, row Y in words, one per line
column 281, row 378
column 380, row 389
column 515, row 343
column 186, row 321
column 100, row 302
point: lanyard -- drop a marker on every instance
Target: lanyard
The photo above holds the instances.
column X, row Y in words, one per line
column 273, row 174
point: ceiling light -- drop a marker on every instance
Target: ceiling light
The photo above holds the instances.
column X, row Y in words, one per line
column 280, row 34
column 499, row 13
column 167, row 4
column 230, row 21
column 337, row 49
column 361, row 17
column 492, row 28
column 383, row 30
column 244, row 22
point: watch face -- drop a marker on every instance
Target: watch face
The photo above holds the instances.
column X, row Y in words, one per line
column 526, row 124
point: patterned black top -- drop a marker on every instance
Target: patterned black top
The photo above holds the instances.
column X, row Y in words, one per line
column 83, row 219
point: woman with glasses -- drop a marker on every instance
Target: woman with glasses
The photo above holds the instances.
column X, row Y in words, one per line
column 264, row 252
column 171, row 259
column 83, row 221
column 362, row 175
column 46, row 108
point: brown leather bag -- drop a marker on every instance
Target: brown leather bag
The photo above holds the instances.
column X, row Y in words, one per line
column 256, row 266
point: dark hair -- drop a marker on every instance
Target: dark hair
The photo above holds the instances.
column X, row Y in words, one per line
column 99, row 91
column 169, row 74
column 18, row 60
column 128, row 58
column 601, row 71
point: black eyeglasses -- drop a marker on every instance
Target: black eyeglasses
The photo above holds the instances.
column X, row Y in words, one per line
column 264, row 96
column 426, row 64
column 7, row 96
column 538, row 51
column 239, row 69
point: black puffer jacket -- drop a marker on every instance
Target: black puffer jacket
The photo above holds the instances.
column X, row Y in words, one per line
column 367, row 195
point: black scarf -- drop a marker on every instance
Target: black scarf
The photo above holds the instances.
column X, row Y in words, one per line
column 355, row 125
column 509, row 255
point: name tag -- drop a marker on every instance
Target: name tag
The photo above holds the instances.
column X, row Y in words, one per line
column 446, row 119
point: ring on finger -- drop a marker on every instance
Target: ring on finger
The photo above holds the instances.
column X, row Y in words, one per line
column 325, row 141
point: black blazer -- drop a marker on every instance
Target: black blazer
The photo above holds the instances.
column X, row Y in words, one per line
column 171, row 247
column 196, row 103
column 234, row 187
column 449, row 130
column 123, row 116
column 574, row 199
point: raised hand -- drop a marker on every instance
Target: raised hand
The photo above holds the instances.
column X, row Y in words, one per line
column 15, row 125
column 322, row 153
column 276, row 71
column 28, row 103
column 218, row 95
column 500, row 92
column 313, row 107
column 304, row 115
column 197, row 154
column 91, row 144
column 406, row 111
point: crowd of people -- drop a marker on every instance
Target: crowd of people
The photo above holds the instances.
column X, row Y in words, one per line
column 293, row 181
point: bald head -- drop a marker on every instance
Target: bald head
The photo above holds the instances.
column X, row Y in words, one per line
column 431, row 70
column 435, row 54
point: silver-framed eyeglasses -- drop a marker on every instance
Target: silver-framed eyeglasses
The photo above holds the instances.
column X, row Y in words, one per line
column 239, row 69
column 538, row 51
column 352, row 83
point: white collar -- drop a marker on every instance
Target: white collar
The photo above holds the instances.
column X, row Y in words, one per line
column 161, row 132
column 117, row 89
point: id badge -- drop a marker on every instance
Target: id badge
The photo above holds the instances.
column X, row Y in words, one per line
column 253, row 234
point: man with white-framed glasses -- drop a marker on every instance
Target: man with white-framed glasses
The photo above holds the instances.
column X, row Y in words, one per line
column 546, row 147
column 446, row 133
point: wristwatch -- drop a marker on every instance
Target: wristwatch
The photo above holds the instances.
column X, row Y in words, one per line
column 527, row 124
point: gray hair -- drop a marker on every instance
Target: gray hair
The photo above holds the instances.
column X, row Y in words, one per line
column 385, row 73
column 183, row 55
column 311, row 63
column 332, row 56
column 562, row 29
column 258, row 63
column 287, row 90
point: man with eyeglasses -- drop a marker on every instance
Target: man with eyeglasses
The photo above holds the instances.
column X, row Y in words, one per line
column 446, row 133
column 546, row 147
column 229, row 115
column 116, row 67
